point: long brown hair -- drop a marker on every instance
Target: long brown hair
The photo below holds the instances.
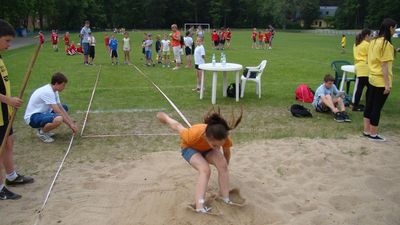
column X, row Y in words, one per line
column 217, row 127
column 361, row 36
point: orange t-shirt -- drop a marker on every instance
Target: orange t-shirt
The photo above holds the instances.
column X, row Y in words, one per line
column 194, row 138
column 176, row 39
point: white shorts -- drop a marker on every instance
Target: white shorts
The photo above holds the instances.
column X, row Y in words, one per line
column 177, row 53
column 126, row 49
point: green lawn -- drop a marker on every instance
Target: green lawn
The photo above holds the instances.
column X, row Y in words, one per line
column 295, row 58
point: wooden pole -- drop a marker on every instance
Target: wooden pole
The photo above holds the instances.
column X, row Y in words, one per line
column 21, row 93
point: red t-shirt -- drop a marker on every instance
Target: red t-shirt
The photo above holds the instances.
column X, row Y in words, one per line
column 228, row 35
column 41, row 38
column 254, row 35
column 66, row 39
column 214, row 36
column 54, row 38
column 107, row 40
column 79, row 49
column 268, row 35
column 260, row 36
column 176, row 39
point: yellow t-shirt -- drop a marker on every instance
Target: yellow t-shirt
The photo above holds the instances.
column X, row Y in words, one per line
column 380, row 51
column 343, row 42
column 7, row 91
column 193, row 137
column 360, row 53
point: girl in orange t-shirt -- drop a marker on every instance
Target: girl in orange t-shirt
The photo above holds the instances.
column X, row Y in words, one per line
column 200, row 146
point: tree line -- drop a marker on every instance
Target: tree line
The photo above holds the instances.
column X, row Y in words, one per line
column 70, row 14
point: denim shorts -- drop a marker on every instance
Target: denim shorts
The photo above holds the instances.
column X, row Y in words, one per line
column 148, row 54
column 187, row 153
column 85, row 47
column 39, row 120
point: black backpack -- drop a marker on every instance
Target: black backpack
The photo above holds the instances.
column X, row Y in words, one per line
column 300, row 111
column 231, row 90
column 252, row 74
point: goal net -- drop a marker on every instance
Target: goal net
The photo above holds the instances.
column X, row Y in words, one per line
column 204, row 26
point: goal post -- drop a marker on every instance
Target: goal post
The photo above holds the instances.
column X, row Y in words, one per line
column 204, row 26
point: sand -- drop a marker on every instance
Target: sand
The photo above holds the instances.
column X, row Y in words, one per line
column 286, row 181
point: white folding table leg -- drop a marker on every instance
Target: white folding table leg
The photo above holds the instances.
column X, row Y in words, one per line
column 202, row 84
column 237, row 85
column 214, row 88
column 343, row 81
column 225, row 85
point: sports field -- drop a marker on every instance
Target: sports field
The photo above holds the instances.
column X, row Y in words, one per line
column 125, row 103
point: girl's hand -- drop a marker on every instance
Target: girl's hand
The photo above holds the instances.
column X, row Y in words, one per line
column 14, row 102
column 387, row 90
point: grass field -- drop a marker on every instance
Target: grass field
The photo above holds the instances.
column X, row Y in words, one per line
column 295, row 58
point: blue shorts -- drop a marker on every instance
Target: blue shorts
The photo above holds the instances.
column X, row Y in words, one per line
column 148, row 54
column 39, row 120
column 85, row 47
column 187, row 153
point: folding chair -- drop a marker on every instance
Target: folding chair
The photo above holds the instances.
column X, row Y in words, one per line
column 336, row 66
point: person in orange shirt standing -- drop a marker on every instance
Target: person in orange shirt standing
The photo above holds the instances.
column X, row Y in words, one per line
column 176, row 45
column 201, row 146
column 66, row 40
column 228, row 37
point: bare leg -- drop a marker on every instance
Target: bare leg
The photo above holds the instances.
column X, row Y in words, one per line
column 216, row 158
column 327, row 100
column 8, row 156
column 51, row 126
column 373, row 130
column 201, row 165
column 367, row 126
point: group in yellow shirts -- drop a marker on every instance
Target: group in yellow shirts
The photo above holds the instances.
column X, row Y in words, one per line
column 376, row 64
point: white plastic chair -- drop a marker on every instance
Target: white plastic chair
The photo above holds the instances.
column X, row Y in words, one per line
column 259, row 70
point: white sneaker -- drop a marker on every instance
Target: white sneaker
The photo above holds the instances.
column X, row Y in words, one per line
column 175, row 68
column 50, row 134
column 44, row 137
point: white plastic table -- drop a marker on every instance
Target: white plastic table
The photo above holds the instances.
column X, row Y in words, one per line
column 218, row 67
column 348, row 69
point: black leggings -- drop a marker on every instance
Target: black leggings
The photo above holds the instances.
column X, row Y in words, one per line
column 362, row 82
column 375, row 101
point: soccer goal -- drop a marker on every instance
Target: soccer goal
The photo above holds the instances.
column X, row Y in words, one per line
column 204, row 26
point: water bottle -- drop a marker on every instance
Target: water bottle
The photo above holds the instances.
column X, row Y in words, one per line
column 213, row 59
column 223, row 59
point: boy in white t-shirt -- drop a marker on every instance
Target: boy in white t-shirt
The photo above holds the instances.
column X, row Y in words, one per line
column 165, row 50
column 199, row 58
column 45, row 111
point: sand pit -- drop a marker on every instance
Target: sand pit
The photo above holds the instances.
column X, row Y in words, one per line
column 288, row 181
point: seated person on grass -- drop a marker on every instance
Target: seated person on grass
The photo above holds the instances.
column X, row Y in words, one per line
column 327, row 97
column 45, row 111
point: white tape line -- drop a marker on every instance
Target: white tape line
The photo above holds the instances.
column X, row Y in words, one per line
column 137, row 110
column 165, row 96
column 125, row 135
column 90, row 101
column 54, row 181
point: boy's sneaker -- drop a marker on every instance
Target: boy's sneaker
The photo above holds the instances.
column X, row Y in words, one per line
column 21, row 179
column 376, row 138
column 50, row 134
column 44, row 137
column 175, row 68
column 7, row 194
column 339, row 117
column 346, row 117
column 365, row 134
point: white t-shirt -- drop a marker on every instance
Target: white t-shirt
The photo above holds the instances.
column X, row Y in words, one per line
column 199, row 51
column 188, row 41
column 40, row 101
column 165, row 45
column 126, row 43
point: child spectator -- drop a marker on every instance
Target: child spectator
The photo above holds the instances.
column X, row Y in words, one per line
column 158, row 49
column 165, row 50
column 268, row 39
column 199, row 58
column 71, row 50
column 92, row 45
column 260, row 40
column 272, row 30
column 214, row 39
column 228, row 37
column 147, row 49
column 343, row 43
column 222, row 38
column 176, row 45
column 127, row 48
column 113, row 44
column 254, row 38
column 79, row 49
column 143, row 41
column 188, row 49
column 107, row 42
column 54, row 40
column 41, row 37
column 66, row 40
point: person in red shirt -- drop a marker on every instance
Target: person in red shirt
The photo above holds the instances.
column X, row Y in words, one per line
column 176, row 45
column 261, row 40
column 268, row 35
column 71, row 50
column 54, row 40
column 214, row 39
column 79, row 50
column 228, row 35
column 66, row 40
column 107, row 42
column 254, row 38
column 222, row 38
column 41, row 37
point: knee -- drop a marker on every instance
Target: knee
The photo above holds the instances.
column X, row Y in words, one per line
column 58, row 120
column 222, row 166
column 205, row 170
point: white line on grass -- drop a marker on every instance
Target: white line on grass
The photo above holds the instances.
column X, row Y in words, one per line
column 122, row 110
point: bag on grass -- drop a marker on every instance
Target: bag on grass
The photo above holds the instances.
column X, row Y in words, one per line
column 304, row 93
column 231, row 90
column 300, row 111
